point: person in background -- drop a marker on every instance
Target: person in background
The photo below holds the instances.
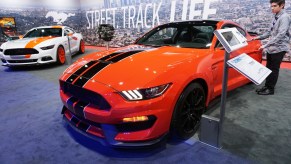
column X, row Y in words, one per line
column 277, row 46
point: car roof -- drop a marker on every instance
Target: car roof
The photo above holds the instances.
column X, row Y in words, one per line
column 212, row 22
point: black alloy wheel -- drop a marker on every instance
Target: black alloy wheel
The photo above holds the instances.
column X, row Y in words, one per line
column 188, row 111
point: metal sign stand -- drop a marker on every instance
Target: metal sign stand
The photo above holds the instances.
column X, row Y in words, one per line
column 223, row 98
column 107, row 46
column 69, row 56
column 211, row 127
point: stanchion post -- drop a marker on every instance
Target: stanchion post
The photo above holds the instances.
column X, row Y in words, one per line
column 211, row 127
column 214, row 135
column 223, row 98
column 69, row 56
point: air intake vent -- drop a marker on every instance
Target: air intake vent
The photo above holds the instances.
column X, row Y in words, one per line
column 20, row 51
column 85, row 96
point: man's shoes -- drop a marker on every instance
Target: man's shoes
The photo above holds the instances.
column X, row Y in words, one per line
column 261, row 89
column 267, row 91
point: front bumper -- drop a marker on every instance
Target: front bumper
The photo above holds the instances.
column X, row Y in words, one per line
column 109, row 116
column 47, row 56
column 103, row 133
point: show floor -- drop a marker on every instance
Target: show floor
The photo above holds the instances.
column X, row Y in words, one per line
column 256, row 129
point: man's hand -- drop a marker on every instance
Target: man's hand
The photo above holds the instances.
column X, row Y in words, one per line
column 254, row 38
column 262, row 47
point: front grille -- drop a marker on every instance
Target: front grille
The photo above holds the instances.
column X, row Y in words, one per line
column 20, row 51
column 136, row 126
column 98, row 125
column 23, row 61
column 85, row 96
column 84, row 125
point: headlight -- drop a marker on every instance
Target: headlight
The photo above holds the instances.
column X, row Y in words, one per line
column 144, row 94
column 1, row 50
column 47, row 47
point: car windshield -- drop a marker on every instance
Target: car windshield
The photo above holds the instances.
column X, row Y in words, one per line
column 181, row 35
column 42, row 32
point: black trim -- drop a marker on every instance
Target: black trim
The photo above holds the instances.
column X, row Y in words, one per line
column 99, row 66
column 80, row 70
column 3, row 60
column 123, row 55
column 70, row 103
column 89, row 74
column 83, row 95
column 83, row 126
column 20, row 51
column 74, row 121
column 23, row 61
column 72, row 78
column 79, row 108
column 114, row 143
column 96, row 124
column 85, row 67
column 110, row 56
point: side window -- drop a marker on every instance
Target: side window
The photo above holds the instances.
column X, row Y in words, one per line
column 241, row 31
column 72, row 31
column 185, row 35
column 68, row 31
column 34, row 33
column 162, row 34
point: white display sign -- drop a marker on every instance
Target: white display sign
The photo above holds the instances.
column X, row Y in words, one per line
column 231, row 39
column 250, row 68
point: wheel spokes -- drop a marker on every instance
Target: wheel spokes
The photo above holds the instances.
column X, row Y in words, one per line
column 187, row 124
column 192, row 109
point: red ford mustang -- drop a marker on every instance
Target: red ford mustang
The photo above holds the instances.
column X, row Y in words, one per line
column 136, row 95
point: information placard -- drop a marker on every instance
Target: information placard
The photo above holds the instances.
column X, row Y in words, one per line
column 250, row 68
column 231, row 39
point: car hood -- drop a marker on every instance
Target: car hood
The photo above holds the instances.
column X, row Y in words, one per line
column 26, row 42
column 141, row 66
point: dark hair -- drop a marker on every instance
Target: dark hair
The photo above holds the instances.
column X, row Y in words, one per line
column 279, row 2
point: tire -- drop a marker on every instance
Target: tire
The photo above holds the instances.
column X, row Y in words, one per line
column 82, row 47
column 61, row 55
column 188, row 111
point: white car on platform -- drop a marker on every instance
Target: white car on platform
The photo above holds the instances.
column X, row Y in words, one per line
column 40, row 45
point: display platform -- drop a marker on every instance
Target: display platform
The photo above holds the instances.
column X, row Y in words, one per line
column 257, row 128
